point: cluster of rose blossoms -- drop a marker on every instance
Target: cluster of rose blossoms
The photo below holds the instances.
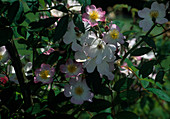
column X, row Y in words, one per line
column 91, row 51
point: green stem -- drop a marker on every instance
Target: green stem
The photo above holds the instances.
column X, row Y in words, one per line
column 16, row 62
column 130, row 51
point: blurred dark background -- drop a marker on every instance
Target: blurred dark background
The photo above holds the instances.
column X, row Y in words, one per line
column 139, row 4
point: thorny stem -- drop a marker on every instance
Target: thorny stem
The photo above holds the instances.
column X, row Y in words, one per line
column 130, row 51
column 16, row 62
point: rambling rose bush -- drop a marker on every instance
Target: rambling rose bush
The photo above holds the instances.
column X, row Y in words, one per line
column 68, row 59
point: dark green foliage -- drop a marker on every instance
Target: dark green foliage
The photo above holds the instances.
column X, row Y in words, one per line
column 160, row 94
column 149, row 41
column 129, row 95
column 102, row 116
column 12, row 11
column 126, row 115
column 4, row 22
column 97, row 105
column 5, row 35
column 147, row 68
column 61, row 28
column 33, row 5
column 141, row 51
column 43, row 23
column 159, row 77
column 126, row 33
column 85, row 2
column 22, row 31
column 95, row 83
column 78, row 22
column 60, row 8
column 123, row 84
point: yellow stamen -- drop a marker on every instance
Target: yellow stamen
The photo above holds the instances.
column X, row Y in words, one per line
column 44, row 74
column 78, row 90
column 114, row 34
column 72, row 68
column 94, row 15
column 154, row 13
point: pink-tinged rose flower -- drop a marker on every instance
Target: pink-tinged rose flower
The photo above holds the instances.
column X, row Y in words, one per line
column 44, row 74
column 93, row 15
column 3, row 79
column 113, row 35
column 99, row 49
column 78, row 90
column 157, row 12
column 71, row 68
column 4, row 56
column 49, row 51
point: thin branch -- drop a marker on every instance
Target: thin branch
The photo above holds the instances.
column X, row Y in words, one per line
column 130, row 51
column 160, row 33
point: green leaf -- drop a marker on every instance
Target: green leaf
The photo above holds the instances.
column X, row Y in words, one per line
column 126, row 33
column 141, row 51
column 103, row 90
column 162, row 95
column 129, row 95
column 78, row 22
column 97, row 105
column 126, row 115
column 103, row 115
column 143, row 102
column 144, row 83
column 35, row 109
column 19, row 18
column 159, row 77
column 48, row 2
column 22, row 31
column 33, row 5
column 60, row 8
column 61, row 28
column 149, row 41
column 43, row 23
column 53, row 57
column 85, row 2
column 147, row 68
column 12, row 11
column 123, row 84
column 5, row 35
column 94, row 81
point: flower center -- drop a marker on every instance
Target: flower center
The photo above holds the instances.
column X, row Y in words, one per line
column 78, row 90
column 94, row 15
column 114, row 34
column 44, row 74
column 78, row 35
column 72, row 68
column 99, row 46
column 154, row 13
